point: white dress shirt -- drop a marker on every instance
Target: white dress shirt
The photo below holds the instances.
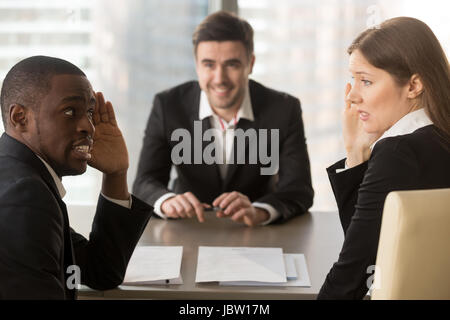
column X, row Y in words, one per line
column 224, row 141
column 62, row 190
column 406, row 125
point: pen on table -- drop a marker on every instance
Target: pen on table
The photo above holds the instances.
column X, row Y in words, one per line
column 214, row 209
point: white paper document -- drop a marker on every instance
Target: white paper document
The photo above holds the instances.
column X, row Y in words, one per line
column 240, row 264
column 300, row 280
column 154, row 265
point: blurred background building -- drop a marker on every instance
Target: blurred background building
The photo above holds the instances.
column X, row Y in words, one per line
column 132, row 49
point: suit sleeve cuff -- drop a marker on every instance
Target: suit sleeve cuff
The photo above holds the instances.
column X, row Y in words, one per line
column 346, row 167
column 273, row 213
column 158, row 203
column 124, row 203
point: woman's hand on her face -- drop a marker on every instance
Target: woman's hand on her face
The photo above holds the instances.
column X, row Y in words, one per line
column 356, row 140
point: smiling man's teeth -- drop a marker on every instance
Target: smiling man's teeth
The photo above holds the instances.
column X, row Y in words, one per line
column 221, row 90
column 84, row 149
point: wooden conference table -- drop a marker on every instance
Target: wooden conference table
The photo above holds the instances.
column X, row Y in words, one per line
column 317, row 235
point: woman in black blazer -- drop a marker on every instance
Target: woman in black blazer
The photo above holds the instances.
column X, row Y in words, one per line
column 397, row 137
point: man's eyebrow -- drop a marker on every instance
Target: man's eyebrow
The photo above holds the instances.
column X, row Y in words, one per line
column 69, row 99
column 234, row 60
column 72, row 98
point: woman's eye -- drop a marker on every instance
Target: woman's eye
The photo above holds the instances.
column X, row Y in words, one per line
column 367, row 82
column 69, row 112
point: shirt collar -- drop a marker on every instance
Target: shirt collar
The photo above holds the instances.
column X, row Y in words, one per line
column 408, row 124
column 245, row 110
column 58, row 182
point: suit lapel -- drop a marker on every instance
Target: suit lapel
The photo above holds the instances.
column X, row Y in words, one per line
column 22, row 153
column 12, row 147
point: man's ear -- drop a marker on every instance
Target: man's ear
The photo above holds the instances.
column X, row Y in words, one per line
column 19, row 117
column 415, row 86
column 252, row 62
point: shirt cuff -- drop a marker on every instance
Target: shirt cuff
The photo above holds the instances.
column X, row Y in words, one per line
column 273, row 213
column 123, row 203
column 158, row 203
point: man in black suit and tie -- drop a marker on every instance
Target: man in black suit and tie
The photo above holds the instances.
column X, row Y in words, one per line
column 55, row 125
column 242, row 122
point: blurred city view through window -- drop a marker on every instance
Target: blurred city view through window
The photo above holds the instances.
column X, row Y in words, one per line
column 132, row 49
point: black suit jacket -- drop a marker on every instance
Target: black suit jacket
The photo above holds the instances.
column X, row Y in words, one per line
column 290, row 192
column 37, row 244
column 420, row 160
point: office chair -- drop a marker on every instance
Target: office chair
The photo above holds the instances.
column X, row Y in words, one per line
column 413, row 259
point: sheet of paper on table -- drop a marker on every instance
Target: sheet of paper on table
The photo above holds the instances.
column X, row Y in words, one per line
column 154, row 265
column 300, row 280
column 240, row 264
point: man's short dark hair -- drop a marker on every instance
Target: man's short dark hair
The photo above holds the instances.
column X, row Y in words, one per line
column 224, row 26
column 29, row 80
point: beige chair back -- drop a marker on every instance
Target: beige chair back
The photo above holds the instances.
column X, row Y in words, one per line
column 413, row 260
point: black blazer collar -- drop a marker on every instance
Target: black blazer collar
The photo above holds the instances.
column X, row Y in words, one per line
column 15, row 149
column 191, row 100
